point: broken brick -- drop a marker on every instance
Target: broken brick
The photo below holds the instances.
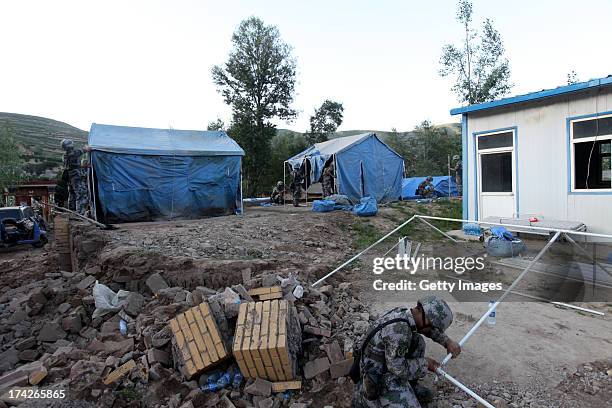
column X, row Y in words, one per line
column 341, row 368
column 259, row 387
column 316, row 367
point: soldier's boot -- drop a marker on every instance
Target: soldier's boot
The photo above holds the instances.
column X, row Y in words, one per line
column 423, row 394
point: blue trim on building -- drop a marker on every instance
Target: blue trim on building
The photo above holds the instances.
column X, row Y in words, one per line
column 465, row 162
column 514, row 129
column 568, row 122
column 582, row 86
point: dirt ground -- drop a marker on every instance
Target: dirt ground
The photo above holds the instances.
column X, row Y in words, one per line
column 536, row 355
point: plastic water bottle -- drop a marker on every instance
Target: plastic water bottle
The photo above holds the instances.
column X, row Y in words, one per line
column 237, row 379
column 224, row 381
column 123, row 327
column 491, row 317
column 298, row 292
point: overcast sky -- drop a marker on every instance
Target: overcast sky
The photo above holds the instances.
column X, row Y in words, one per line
column 147, row 63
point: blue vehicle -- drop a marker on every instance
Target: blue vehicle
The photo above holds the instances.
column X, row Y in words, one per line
column 22, row 226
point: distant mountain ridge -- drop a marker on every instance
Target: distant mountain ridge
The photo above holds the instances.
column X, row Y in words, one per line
column 39, row 140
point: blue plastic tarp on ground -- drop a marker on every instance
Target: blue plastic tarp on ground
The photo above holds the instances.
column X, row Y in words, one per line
column 366, row 208
column 440, row 183
column 155, row 186
column 365, row 166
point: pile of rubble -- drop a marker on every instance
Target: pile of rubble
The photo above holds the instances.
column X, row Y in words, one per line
column 106, row 336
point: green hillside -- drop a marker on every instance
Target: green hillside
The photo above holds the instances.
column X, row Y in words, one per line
column 39, row 141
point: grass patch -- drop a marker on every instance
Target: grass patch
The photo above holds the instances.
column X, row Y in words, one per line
column 365, row 233
column 129, row 393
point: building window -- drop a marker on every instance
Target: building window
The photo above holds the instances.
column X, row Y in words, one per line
column 495, row 151
column 591, row 161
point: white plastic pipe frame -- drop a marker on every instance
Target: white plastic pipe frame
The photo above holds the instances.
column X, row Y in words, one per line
column 557, row 233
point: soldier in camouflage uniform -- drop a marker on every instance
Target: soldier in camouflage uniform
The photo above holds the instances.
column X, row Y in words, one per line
column 328, row 181
column 278, row 193
column 395, row 357
column 77, row 176
column 296, row 185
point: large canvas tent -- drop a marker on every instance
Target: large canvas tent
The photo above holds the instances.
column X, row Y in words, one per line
column 364, row 166
column 443, row 185
column 141, row 174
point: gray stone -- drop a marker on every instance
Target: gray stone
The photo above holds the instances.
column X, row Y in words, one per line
column 26, row 343
column 156, row 283
column 260, row 388
column 341, row 368
column 64, row 307
column 51, row 332
column 134, row 303
column 316, row 367
column 85, row 283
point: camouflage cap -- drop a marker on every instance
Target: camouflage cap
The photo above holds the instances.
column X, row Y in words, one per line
column 437, row 311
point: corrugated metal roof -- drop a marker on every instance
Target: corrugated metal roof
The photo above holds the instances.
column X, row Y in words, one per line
column 162, row 142
column 543, row 94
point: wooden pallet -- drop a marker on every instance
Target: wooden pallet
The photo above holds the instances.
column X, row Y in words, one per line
column 197, row 340
column 261, row 341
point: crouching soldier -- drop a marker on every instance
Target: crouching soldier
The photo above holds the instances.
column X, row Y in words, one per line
column 278, row 193
column 393, row 360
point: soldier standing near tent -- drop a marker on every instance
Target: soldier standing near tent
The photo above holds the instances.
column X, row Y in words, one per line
column 328, row 181
column 296, row 184
column 393, row 361
column 458, row 172
column 77, row 176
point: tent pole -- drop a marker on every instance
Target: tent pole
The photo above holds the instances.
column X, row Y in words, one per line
column 336, row 176
column 241, row 202
column 93, row 188
column 506, row 293
column 306, row 180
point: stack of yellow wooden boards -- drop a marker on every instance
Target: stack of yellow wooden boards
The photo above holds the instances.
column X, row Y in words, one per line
column 197, row 340
column 62, row 241
column 262, row 341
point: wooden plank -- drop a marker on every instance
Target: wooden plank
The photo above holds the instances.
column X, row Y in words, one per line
column 263, row 346
column 210, row 347
column 189, row 316
column 286, row 385
column 273, row 339
column 246, row 342
column 195, row 356
column 259, row 291
column 120, row 372
column 213, row 330
column 270, row 296
column 185, row 327
column 174, row 326
column 255, row 341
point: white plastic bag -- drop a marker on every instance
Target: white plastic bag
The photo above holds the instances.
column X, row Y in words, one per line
column 106, row 300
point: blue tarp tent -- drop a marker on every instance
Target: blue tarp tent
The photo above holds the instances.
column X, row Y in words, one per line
column 364, row 166
column 144, row 174
column 440, row 183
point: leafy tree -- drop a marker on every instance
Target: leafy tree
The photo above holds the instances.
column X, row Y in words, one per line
column 572, row 77
column 326, row 119
column 216, row 125
column 426, row 149
column 10, row 160
column 258, row 81
column 478, row 66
